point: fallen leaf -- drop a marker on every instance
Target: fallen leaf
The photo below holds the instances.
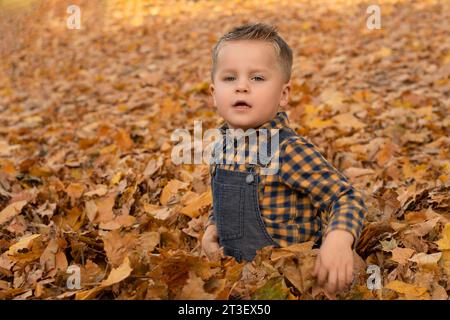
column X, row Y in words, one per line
column 444, row 243
column 410, row 291
column 75, row 190
column 422, row 258
column 193, row 207
column 11, row 211
column 194, row 289
column 115, row 276
column 23, row 243
column 401, row 255
column 170, row 190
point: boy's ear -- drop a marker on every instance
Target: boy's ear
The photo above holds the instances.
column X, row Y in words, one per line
column 211, row 90
column 285, row 93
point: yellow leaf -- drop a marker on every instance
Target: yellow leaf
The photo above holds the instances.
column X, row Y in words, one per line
column 122, row 107
column 169, row 108
column 171, row 189
column 201, row 87
column 116, row 178
column 348, row 120
column 108, row 149
column 310, row 110
column 23, row 243
column 447, row 59
column 318, row 123
column 383, row 52
column 306, row 25
column 407, row 289
column 120, row 273
column 445, row 262
column 193, row 207
column 75, row 218
column 444, row 243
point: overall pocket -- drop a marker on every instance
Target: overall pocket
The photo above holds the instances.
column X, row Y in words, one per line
column 228, row 204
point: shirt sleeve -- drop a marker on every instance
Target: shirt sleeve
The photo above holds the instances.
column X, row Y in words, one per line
column 303, row 168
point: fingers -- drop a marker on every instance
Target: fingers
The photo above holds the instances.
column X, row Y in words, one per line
column 332, row 280
column 211, row 249
column 212, row 253
column 216, row 254
column 349, row 273
column 341, row 279
column 322, row 275
column 336, row 271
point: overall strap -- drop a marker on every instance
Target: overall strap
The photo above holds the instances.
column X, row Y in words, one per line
column 283, row 134
column 286, row 133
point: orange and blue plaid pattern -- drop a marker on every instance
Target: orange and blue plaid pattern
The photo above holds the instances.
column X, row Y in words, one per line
column 305, row 194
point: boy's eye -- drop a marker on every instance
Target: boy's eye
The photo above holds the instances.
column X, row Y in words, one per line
column 231, row 78
column 258, row 78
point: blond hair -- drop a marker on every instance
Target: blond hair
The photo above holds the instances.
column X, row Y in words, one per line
column 262, row 32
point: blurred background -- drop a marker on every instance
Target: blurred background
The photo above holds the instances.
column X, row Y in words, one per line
column 86, row 116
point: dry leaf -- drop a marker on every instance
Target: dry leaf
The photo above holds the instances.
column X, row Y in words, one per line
column 170, row 191
column 194, row 289
column 11, row 211
column 410, row 291
column 401, row 255
column 193, row 207
column 426, row 259
column 23, row 243
column 444, row 243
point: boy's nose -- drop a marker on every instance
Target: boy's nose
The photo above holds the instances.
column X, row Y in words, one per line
column 242, row 87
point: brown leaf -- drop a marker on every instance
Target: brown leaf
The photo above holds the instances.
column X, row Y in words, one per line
column 401, row 255
column 24, row 243
column 196, row 204
column 117, row 245
column 408, row 290
column 194, row 289
column 11, row 211
column 105, row 208
column 171, row 190
column 115, row 276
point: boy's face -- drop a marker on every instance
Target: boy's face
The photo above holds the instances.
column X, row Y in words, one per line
column 248, row 71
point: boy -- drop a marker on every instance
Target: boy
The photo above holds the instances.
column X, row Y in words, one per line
column 250, row 82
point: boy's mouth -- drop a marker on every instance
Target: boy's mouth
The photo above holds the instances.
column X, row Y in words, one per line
column 241, row 104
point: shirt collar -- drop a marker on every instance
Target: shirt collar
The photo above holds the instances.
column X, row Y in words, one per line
column 279, row 121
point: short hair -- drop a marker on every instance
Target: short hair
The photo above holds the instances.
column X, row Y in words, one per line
column 258, row 31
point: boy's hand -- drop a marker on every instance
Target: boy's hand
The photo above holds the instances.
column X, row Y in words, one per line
column 334, row 263
column 210, row 244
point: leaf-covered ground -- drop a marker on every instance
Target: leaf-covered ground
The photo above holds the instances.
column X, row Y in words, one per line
column 86, row 177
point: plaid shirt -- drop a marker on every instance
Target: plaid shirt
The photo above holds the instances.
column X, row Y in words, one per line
column 306, row 194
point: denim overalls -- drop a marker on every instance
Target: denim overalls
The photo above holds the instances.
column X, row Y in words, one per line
column 241, row 229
